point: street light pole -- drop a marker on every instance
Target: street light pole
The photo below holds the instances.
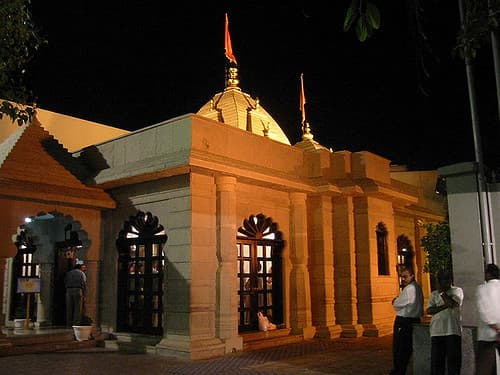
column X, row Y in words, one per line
column 484, row 212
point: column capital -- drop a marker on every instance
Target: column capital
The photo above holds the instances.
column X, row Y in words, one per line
column 225, row 183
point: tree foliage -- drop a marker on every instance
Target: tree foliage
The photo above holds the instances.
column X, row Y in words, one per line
column 481, row 17
column 365, row 16
column 19, row 40
column 437, row 245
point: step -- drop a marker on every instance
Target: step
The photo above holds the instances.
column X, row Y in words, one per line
column 131, row 342
column 40, row 341
column 262, row 340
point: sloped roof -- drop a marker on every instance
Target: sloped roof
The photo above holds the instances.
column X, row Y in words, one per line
column 74, row 133
column 33, row 164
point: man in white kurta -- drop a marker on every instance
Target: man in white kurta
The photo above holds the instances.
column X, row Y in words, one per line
column 488, row 330
column 446, row 326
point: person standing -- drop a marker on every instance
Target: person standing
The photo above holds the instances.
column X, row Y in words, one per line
column 488, row 330
column 409, row 309
column 75, row 283
column 446, row 326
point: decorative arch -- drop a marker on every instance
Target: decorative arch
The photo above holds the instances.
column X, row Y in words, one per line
column 259, row 227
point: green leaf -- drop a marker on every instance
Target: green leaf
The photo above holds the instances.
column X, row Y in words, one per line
column 437, row 245
column 373, row 15
column 351, row 15
column 361, row 29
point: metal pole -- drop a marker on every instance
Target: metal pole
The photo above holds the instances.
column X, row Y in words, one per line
column 484, row 216
column 496, row 58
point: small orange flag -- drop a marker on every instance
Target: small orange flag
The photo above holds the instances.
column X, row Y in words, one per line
column 302, row 98
column 227, row 44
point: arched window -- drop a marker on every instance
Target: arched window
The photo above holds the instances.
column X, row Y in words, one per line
column 382, row 249
column 259, row 271
column 140, row 275
column 405, row 251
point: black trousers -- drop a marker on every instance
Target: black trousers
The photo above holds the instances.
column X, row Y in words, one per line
column 446, row 351
column 486, row 361
column 402, row 344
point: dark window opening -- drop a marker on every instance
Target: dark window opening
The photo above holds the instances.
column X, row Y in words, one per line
column 382, row 249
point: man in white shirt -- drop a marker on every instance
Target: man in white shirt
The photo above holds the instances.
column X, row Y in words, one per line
column 488, row 330
column 446, row 326
column 409, row 308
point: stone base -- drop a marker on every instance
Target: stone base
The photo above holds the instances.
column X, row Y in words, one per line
column 183, row 347
column 233, row 344
column 330, row 332
column 133, row 342
column 351, row 330
column 306, row 332
column 422, row 350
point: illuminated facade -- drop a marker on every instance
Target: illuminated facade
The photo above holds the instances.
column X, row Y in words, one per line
column 192, row 226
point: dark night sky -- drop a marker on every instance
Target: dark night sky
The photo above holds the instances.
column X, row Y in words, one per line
column 131, row 64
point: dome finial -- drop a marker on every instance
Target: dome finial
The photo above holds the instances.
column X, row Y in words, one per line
column 232, row 66
column 306, row 132
column 232, row 77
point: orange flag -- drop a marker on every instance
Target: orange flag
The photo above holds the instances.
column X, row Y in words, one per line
column 302, row 98
column 227, row 44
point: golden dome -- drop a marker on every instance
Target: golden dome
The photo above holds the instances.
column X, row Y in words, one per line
column 236, row 108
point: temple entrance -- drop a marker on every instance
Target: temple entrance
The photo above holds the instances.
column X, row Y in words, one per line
column 48, row 245
column 259, row 272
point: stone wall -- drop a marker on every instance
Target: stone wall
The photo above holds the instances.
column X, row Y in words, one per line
column 422, row 350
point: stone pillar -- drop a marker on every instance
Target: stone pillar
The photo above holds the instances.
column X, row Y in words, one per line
column 92, row 289
column 345, row 267
column 321, row 253
column 3, row 293
column 465, row 233
column 226, row 319
column 45, row 274
column 300, row 293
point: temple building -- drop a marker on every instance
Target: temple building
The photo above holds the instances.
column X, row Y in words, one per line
column 192, row 226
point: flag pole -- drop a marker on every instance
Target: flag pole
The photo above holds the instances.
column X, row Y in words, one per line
column 302, row 100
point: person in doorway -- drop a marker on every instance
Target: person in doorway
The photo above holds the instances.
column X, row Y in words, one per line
column 409, row 309
column 488, row 330
column 446, row 326
column 75, row 282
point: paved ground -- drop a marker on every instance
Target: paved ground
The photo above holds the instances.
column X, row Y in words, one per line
column 364, row 355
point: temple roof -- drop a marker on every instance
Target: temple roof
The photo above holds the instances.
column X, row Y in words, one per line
column 236, row 108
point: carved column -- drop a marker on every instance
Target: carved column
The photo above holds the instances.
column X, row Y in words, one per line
column 322, row 271
column 226, row 320
column 345, row 267
column 300, row 293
